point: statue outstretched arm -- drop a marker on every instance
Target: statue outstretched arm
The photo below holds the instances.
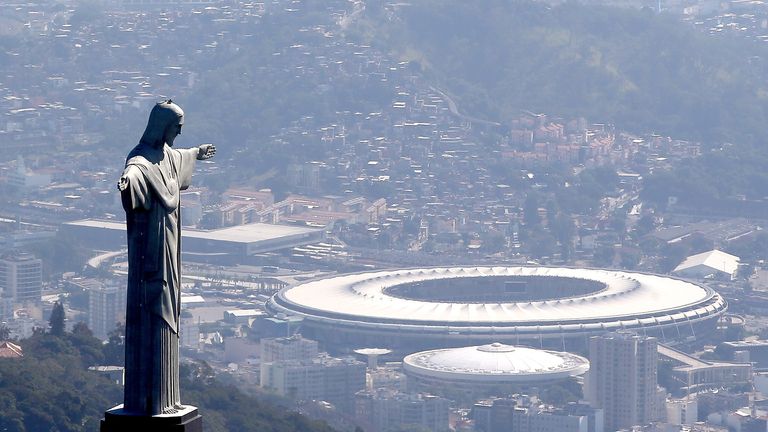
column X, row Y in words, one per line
column 186, row 161
column 201, row 152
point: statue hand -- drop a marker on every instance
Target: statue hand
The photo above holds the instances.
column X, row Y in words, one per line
column 206, row 151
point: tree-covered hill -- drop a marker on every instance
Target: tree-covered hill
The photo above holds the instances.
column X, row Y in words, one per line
column 51, row 389
column 635, row 68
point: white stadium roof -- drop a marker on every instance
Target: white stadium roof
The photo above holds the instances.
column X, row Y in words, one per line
column 496, row 362
column 627, row 300
column 625, row 295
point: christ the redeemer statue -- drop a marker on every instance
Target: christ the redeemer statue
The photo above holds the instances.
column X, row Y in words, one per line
column 150, row 186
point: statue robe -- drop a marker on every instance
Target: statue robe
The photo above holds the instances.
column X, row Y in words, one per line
column 153, row 213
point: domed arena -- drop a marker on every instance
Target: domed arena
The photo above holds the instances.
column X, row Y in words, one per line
column 438, row 307
column 494, row 364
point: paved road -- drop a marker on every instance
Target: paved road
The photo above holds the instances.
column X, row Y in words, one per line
column 453, row 108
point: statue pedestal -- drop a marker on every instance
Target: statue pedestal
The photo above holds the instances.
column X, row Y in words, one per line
column 186, row 420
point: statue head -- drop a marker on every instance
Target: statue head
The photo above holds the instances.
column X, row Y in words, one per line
column 164, row 124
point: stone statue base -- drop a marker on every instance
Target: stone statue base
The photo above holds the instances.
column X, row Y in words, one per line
column 186, row 420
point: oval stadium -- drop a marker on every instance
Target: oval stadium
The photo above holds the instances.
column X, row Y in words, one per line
column 438, row 307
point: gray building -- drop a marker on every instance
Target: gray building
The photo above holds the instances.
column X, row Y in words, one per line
column 524, row 414
column 535, row 420
column 330, row 379
column 385, row 410
column 622, row 380
column 21, row 277
column 106, row 307
column 288, row 348
column 696, row 375
column 106, row 303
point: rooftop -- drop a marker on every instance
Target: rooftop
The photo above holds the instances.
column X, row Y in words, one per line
column 632, row 298
column 497, row 362
column 714, row 259
column 249, row 233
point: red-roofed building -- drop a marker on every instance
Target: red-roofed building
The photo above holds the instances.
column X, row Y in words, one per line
column 10, row 350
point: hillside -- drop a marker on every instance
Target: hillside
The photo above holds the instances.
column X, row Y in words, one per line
column 51, row 389
column 637, row 69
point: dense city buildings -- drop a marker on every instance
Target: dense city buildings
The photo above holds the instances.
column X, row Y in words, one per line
column 360, row 203
column 683, row 411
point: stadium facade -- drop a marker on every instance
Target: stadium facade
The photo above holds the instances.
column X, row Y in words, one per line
column 438, row 307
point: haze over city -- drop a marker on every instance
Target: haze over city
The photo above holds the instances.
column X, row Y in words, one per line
column 437, row 215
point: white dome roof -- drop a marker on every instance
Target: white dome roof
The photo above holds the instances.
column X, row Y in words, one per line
column 495, row 362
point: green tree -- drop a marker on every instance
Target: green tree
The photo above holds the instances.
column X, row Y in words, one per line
column 114, row 349
column 552, row 212
column 562, row 393
column 564, row 230
column 672, row 256
column 629, row 258
column 603, row 255
column 493, row 241
column 56, row 321
column 51, row 389
column 541, row 244
column 699, row 243
column 618, row 223
column 531, row 210
column 645, row 225
column 81, row 330
column 91, row 349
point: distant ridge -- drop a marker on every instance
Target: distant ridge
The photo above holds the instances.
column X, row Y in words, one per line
column 635, row 68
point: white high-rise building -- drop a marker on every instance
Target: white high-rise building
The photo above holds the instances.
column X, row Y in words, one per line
column 682, row 411
column 106, row 307
column 21, row 277
column 622, row 378
column 190, row 330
